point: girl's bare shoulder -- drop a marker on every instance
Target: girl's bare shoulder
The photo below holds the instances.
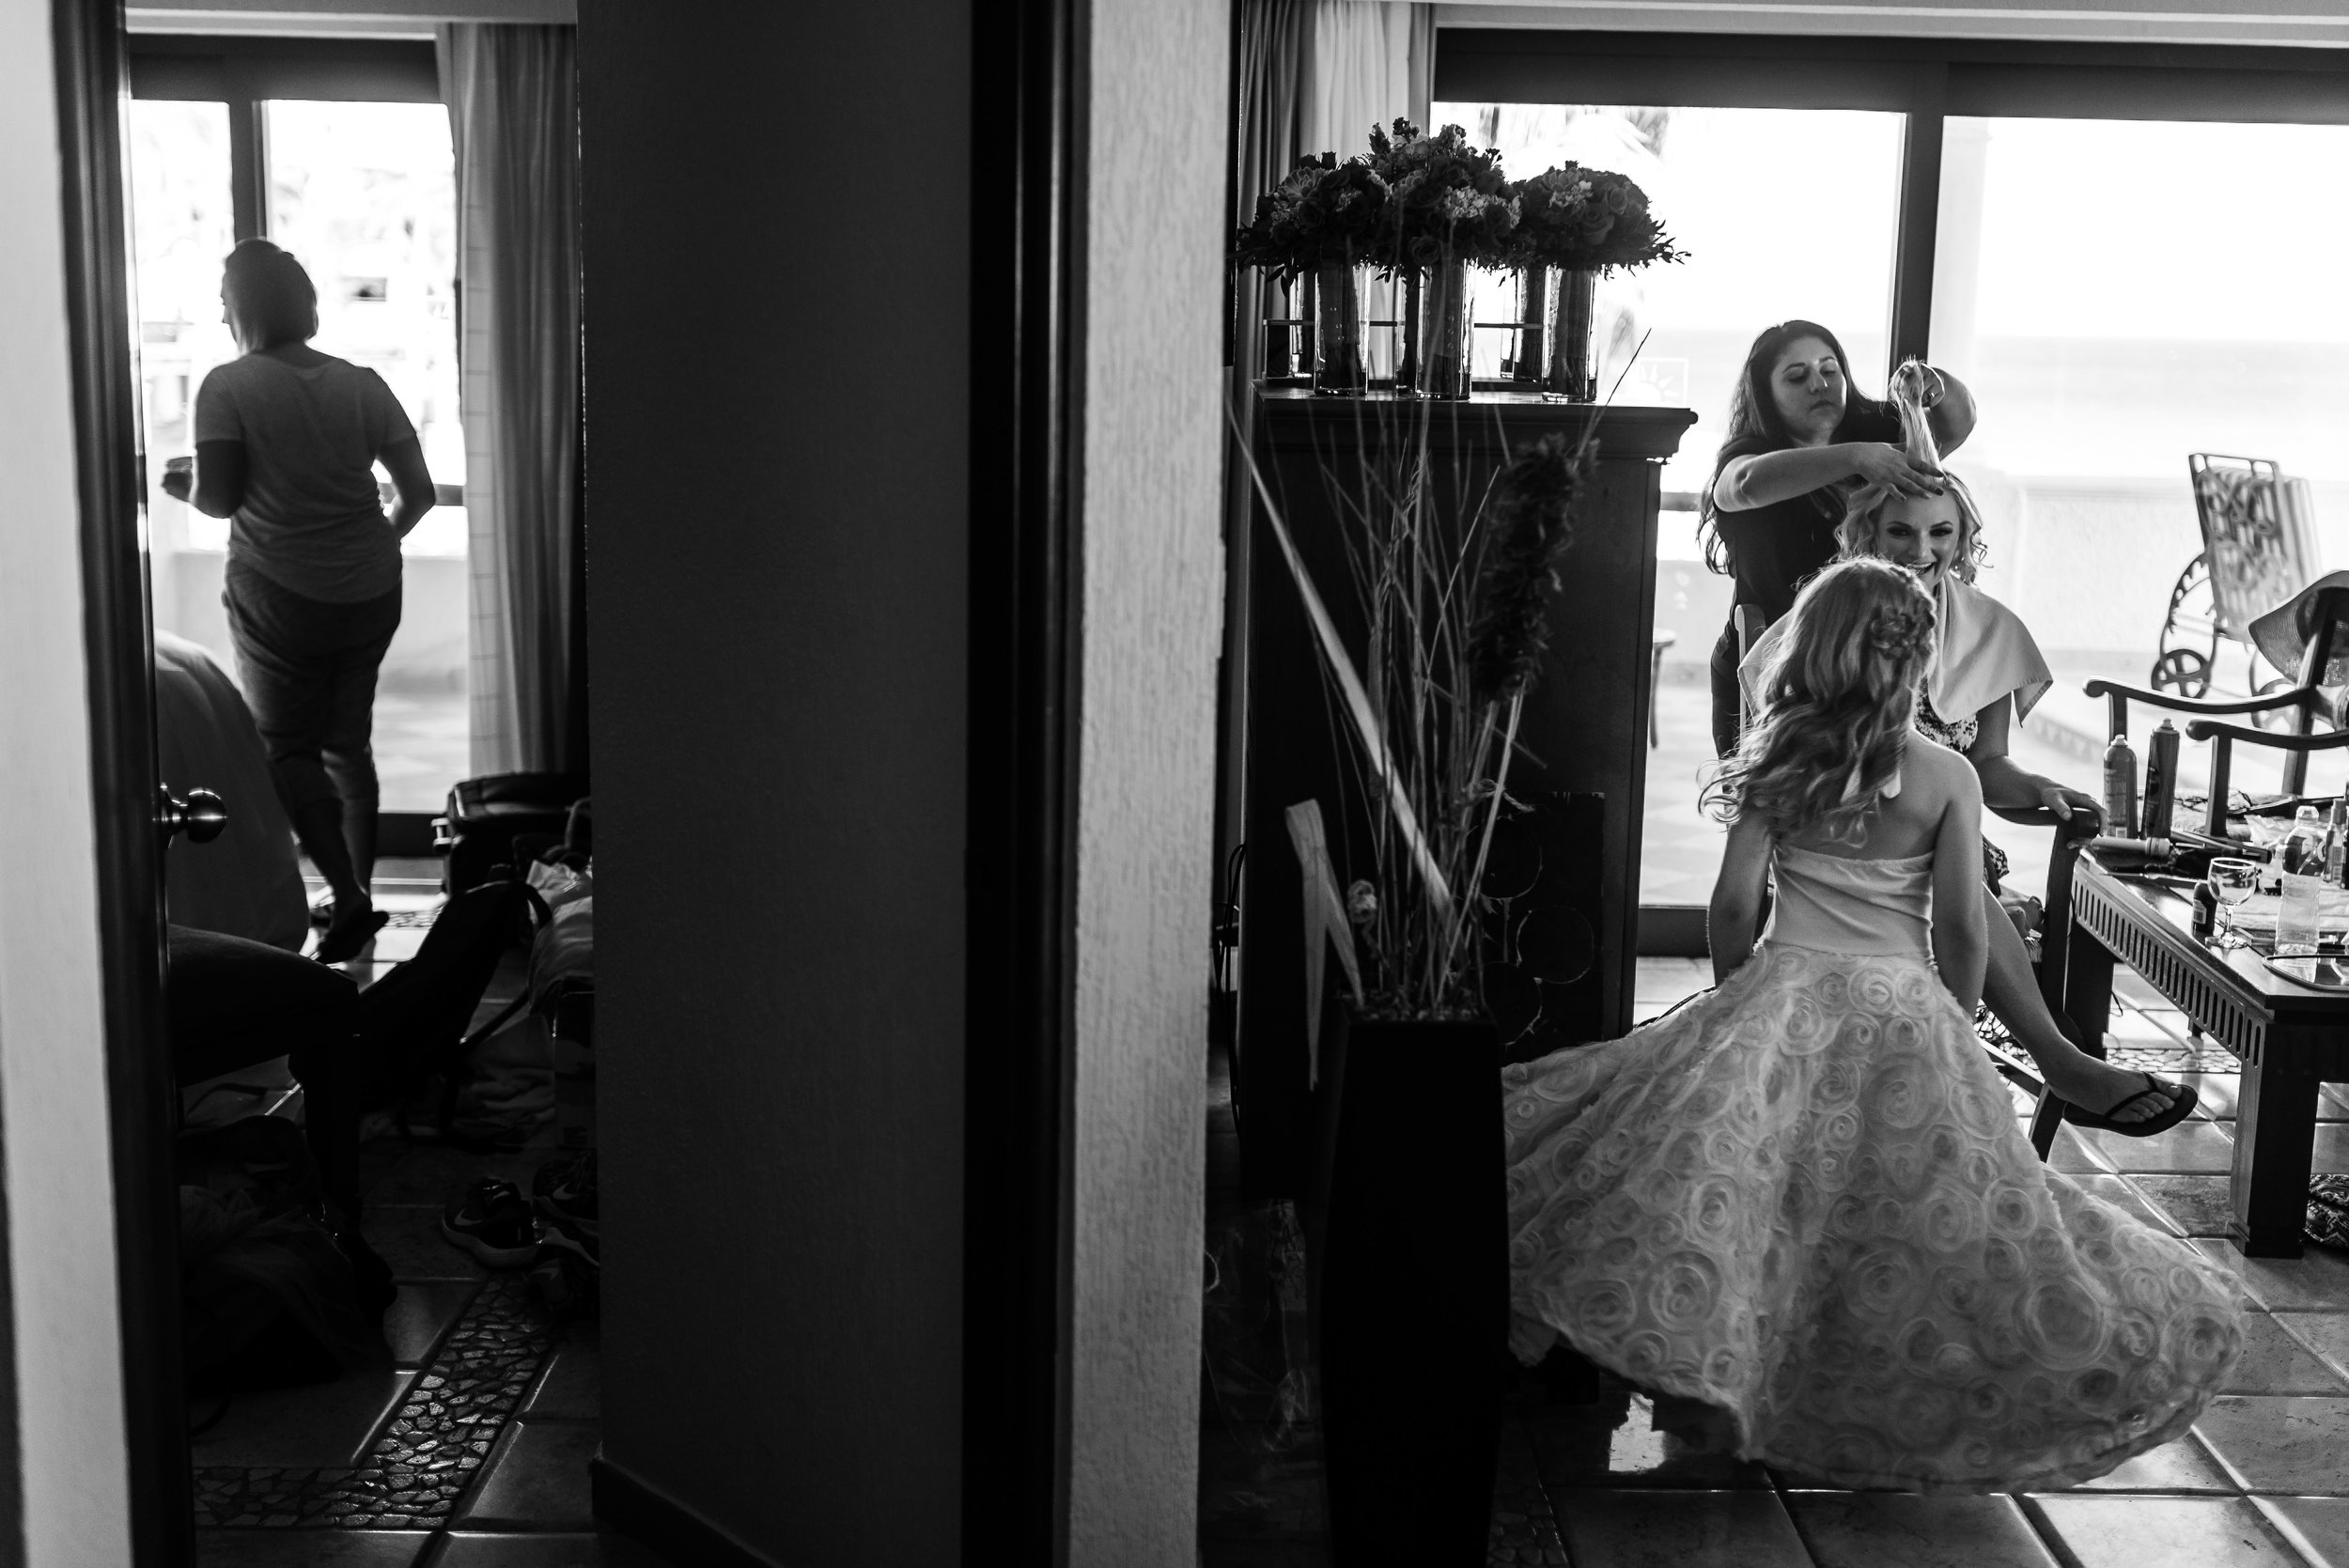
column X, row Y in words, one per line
column 1945, row 773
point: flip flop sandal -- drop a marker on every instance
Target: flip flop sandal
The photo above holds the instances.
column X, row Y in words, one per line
column 2180, row 1108
column 342, row 944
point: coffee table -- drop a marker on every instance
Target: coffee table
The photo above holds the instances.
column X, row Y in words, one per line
column 2290, row 1038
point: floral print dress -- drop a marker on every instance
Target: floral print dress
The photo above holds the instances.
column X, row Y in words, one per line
column 1804, row 1198
column 1959, row 738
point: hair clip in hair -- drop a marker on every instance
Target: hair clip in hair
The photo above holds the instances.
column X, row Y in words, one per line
column 1897, row 633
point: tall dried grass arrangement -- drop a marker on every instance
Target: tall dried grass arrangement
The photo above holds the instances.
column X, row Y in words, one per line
column 1453, row 582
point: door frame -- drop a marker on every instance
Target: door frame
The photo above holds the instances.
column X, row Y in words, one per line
column 1026, row 410
column 92, row 87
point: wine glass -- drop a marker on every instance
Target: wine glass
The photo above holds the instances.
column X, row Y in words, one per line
column 2232, row 880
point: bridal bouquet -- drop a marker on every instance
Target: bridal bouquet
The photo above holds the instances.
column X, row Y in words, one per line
column 1325, row 213
column 1587, row 220
column 1449, row 201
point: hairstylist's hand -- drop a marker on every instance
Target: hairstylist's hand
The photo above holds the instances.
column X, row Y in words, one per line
column 1922, row 383
column 1882, row 463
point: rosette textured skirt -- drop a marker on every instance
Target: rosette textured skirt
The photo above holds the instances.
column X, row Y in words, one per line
column 1805, row 1199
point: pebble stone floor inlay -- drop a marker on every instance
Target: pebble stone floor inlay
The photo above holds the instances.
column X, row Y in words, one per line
column 431, row 1450
column 1615, row 1481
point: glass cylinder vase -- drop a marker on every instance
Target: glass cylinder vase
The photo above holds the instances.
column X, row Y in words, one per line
column 1339, row 367
column 1570, row 329
column 1532, row 358
column 1447, row 333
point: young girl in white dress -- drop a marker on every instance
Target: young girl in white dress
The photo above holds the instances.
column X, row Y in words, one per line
column 1804, row 1198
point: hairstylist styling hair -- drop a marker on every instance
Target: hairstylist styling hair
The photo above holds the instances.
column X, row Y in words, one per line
column 285, row 443
column 1799, row 441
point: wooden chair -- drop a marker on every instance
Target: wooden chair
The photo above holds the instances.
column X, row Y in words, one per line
column 2322, row 620
column 2055, row 930
column 1656, row 645
column 1750, row 624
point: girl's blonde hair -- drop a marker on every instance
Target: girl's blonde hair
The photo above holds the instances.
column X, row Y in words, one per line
column 1837, row 697
column 1863, row 517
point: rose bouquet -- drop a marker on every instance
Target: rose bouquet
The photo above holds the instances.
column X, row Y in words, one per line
column 1325, row 213
column 1448, row 201
column 1586, row 220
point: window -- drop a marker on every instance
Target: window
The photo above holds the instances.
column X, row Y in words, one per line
column 2096, row 379
column 2130, row 254
column 338, row 150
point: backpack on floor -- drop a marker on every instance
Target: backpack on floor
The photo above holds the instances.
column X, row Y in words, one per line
column 414, row 1022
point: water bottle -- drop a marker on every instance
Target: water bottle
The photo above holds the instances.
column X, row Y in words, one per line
column 2121, row 788
column 2304, row 847
column 2337, row 842
column 2297, row 915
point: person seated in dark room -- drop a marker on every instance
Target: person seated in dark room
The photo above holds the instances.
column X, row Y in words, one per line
column 285, row 443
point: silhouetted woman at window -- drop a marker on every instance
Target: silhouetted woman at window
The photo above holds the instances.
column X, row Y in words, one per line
column 285, row 443
column 1799, row 442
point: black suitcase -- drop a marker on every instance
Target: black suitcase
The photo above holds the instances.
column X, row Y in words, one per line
column 486, row 814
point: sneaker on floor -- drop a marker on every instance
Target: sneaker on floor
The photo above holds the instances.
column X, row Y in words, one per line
column 564, row 1190
column 493, row 1222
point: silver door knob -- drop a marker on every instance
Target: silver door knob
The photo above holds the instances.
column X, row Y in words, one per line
column 201, row 814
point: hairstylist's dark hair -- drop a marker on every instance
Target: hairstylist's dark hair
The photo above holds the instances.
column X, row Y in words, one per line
column 268, row 287
column 1837, row 695
column 1753, row 421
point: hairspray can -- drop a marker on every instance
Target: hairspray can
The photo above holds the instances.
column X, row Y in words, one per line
column 2161, row 779
column 2121, row 788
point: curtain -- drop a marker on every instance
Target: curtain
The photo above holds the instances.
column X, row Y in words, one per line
column 1273, row 56
column 1373, row 61
column 513, row 103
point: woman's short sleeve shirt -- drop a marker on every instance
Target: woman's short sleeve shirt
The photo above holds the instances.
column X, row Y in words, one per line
column 311, row 520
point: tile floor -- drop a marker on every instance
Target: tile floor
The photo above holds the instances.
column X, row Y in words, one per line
column 2262, row 1481
column 472, row 1451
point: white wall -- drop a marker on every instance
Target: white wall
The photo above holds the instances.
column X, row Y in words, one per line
column 52, row 1090
column 1153, row 568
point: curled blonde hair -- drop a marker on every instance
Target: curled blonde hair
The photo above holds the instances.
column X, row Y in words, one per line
column 1863, row 519
column 1837, row 697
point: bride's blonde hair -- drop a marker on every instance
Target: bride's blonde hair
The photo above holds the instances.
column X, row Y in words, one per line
column 1863, row 519
column 1837, row 695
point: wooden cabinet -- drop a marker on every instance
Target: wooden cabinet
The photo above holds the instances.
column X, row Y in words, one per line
column 1584, row 723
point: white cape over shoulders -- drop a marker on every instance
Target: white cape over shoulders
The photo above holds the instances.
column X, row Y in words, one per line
column 1986, row 653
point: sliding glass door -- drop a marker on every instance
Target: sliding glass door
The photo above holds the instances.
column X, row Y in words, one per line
column 1784, row 212
column 361, row 189
column 2120, row 293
